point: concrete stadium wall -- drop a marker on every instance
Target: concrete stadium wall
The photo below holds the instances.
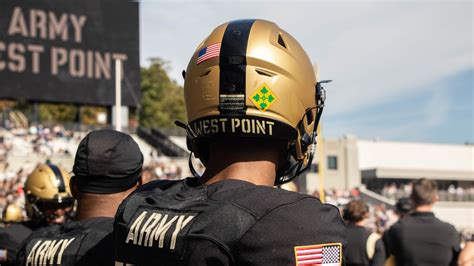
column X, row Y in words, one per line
column 459, row 214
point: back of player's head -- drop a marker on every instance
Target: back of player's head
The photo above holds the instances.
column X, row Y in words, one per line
column 251, row 79
column 355, row 211
column 107, row 162
column 424, row 192
column 46, row 192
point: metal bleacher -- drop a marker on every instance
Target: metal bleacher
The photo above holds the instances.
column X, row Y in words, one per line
column 156, row 138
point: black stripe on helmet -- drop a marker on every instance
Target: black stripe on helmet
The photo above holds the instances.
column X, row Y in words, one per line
column 59, row 177
column 233, row 63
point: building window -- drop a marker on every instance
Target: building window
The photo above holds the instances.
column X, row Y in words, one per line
column 332, row 162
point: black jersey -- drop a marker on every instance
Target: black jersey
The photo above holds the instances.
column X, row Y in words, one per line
column 87, row 242
column 11, row 238
column 363, row 247
column 230, row 222
column 422, row 239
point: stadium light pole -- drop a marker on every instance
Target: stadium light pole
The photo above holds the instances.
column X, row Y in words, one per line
column 118, row 94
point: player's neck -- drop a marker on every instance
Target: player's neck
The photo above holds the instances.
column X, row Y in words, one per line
column 245, row 159
column 88, row 209
column 256, row 172
column 98, row 205
column 424, row 208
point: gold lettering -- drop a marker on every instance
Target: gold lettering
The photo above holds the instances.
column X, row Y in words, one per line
column 102, row 65
column 78, row 23
column 58, row 28
column 260, row 127
column 41, row 252
column 17, row 23
column 205, row 125
column 77, row 63
column 58, row 58
column 133, row 232
column 245, row 125
column 198, row 128
column 2, row 63
column 65, row 244
column 35, row 59
column 148, row 237
column 223, row 122
column 53, row 248
column 31, row 255
column 38, row 22
column 90, row 62
column 182, row 222
column 15, row 53
column 214, row 126
column 235, row 124
column 146, row 229
column 161, row 230
column 270, row 127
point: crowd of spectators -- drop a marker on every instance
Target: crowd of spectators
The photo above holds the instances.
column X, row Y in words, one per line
column 451, row 193
column 381, row 217
column 45, row 143
column 57, row 142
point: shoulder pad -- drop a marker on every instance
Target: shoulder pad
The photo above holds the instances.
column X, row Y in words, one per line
column 156, row 184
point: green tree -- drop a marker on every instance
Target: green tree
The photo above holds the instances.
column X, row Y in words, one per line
column 49, row 112
column 162, row 98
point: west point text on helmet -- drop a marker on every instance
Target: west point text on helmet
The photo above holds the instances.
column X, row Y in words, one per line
column 233, row 125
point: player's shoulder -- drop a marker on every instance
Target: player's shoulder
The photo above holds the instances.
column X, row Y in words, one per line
column 16, row 229
column 261, row 200
column 98, row 224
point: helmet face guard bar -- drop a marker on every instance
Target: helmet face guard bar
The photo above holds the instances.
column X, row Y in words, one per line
column 295, row 168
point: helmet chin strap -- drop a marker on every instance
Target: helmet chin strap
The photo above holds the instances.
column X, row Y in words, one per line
column 191, row 166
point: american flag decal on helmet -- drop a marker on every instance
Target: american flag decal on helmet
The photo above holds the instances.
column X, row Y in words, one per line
column 208, row 52
column 319, row 255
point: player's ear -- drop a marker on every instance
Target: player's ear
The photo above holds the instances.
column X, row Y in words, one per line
column 73, row 186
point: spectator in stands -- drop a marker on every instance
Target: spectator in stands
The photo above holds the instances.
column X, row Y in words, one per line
column 403, row 207
column 466, row 258
column 107, row 168
column 363, row 247
column 420, row 238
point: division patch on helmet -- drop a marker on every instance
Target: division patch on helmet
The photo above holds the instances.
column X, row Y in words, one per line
column 263, row 98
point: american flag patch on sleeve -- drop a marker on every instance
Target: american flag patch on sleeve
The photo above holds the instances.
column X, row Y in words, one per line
column 208, row 52
column 319, row 255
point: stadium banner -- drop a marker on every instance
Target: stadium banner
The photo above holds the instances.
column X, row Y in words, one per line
column 65, row 51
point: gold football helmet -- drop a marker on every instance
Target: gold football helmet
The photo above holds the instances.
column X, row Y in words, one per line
column 250, row 78
column 47, row 191
column 13, row 214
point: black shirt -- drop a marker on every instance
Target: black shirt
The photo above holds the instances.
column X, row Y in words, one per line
column 422, row 239
column 11, row 238
column 357, row 243
column 87, row 242
column 230, row 222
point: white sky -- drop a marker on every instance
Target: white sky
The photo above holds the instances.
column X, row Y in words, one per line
column 374, row 51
